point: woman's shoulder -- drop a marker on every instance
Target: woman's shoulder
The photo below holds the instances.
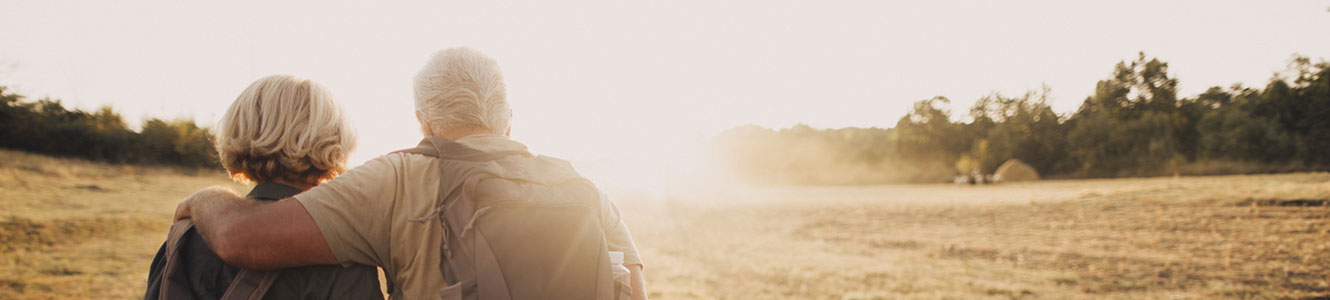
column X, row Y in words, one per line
column 210, row 275
column 207, row 273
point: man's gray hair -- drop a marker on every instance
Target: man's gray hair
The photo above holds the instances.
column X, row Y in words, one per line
column 461, row 88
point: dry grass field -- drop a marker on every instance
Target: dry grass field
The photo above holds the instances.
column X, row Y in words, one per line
column 1228, row 237
column 78, row 230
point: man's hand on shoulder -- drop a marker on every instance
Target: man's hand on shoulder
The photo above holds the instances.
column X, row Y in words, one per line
column 183, row 211
column 255, row 235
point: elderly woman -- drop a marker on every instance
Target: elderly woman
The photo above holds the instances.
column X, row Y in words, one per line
column 286, row 135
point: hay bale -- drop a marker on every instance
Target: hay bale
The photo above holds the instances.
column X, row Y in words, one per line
column 1016, row 170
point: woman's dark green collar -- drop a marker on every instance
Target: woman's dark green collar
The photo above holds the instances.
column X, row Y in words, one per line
column 272, row 191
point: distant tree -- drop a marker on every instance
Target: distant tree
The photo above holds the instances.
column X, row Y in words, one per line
column 1232, row 132
column 1026, row 128
column 1313, row 88
column 46, row 126
column 1131, row 125
column 179, row 142
column 927, row 133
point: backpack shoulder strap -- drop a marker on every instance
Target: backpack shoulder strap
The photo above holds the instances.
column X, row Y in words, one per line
column 175, row 285
column 250, row 285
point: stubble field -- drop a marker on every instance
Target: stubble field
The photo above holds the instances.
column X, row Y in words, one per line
column 78, row 230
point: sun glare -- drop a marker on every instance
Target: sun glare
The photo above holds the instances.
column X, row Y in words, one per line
column 654, row 172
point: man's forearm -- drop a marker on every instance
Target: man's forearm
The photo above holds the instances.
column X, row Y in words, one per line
column 256, row 235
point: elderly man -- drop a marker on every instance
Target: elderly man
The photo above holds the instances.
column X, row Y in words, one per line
column 395, row 211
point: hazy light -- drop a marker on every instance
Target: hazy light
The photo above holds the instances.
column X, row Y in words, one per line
column 636, row 84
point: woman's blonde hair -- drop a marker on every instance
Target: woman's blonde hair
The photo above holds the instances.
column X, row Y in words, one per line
column 285, row 128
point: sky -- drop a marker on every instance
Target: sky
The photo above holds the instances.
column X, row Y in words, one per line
column 637, row 80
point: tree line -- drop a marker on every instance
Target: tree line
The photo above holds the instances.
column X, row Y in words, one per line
column 1134, row 124
column 46, row 126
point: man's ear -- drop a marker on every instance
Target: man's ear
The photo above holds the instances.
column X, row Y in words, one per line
column 509, row 132
column 424, row 127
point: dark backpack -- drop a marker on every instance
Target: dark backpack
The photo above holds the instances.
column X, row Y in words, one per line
column 516, row 228
column 249, row 284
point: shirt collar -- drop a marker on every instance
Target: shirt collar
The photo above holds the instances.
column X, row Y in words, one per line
column 492, row 143
column 272, row 191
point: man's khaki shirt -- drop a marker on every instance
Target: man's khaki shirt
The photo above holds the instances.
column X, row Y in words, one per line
column 364, row 216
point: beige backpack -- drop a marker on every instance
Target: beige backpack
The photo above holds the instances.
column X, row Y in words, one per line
column 516, row 226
